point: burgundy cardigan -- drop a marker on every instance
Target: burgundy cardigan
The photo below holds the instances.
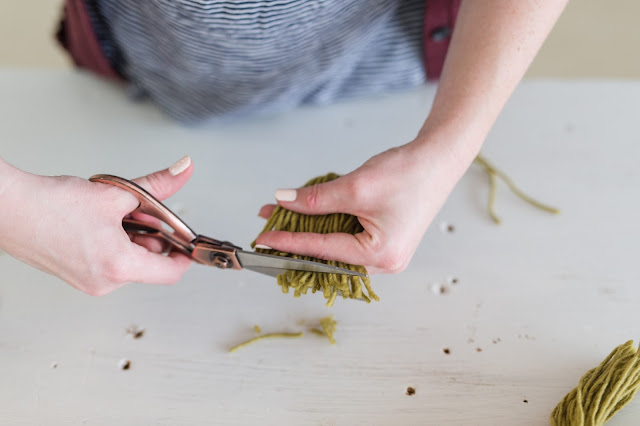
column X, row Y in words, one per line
column 77, row 36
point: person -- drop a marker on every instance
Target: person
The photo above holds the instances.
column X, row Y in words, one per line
column 217, row 60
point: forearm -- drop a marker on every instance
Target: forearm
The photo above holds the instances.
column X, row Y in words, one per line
column 493, row 44
column 9, row 176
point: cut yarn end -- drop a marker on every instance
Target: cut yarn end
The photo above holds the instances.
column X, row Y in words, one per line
column 328, row 325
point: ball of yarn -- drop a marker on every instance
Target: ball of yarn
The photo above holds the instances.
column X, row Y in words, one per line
column 602, row 391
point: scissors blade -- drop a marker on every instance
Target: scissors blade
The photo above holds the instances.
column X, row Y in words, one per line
column 275, row 265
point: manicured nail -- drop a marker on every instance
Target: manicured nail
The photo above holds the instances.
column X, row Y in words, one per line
column 286, row 194
column 262, row 246
column 180, row 166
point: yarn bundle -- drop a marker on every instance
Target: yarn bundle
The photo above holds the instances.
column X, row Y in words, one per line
column 330, row 285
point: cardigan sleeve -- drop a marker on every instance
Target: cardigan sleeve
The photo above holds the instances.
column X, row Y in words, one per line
column 77, row 36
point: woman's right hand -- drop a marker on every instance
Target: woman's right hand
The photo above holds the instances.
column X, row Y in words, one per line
column 72, row 228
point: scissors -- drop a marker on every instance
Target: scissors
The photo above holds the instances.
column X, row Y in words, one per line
column 202, row 249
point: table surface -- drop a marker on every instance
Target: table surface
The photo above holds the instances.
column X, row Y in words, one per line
column 545, row 298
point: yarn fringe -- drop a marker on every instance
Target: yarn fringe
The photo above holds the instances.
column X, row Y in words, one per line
column 330, row 285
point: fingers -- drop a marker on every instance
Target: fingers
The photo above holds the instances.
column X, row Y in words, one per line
column 343, row 247
column 152, row 244
column 162, row 184
column 337, row 196
column 167, row 182
column 358, row 249
column 131, row 264
column 148, row 265
column 153, row 268
column 374, row 270
column 266, row 211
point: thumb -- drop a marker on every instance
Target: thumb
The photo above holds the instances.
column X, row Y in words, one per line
column 167, row 182
column 335, row 196
column 161, row 185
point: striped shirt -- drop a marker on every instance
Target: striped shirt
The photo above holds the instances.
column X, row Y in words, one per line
column 202, row 60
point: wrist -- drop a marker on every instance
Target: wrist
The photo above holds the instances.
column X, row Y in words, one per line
column 9, row 198
column 8, row 175
column 454, row 147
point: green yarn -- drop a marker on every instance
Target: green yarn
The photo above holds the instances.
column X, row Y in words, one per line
column 352, row 287
column 602, row 391
column 328, row 325
column 266, row 336
column 495, row 173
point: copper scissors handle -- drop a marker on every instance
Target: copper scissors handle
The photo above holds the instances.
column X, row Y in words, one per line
column 150, row 205
column 137, row 227
column 200, row 248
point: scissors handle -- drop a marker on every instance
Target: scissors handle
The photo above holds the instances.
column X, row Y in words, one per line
column 201, row 249
column 151, row 206
column 136, row 227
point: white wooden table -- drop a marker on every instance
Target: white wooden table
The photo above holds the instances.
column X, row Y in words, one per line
column 545, row 298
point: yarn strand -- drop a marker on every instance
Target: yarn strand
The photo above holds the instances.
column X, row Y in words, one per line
column 328, row 325
column 266, row 336
column 493, row 173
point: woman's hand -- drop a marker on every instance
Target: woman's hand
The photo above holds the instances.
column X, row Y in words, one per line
column 72, row 228
column 395, row 196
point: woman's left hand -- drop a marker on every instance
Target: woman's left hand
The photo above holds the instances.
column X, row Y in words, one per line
column 395, row 196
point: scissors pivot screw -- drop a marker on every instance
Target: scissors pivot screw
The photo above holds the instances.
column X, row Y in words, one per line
column 221, row 261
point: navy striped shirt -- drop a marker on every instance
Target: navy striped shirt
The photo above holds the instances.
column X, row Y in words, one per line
column 206, row 59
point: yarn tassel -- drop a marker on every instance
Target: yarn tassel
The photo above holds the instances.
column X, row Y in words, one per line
column 330, row 285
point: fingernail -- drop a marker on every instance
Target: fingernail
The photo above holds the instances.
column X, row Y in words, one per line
column 286, row 194
column 180, row 166
column 262, row 246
